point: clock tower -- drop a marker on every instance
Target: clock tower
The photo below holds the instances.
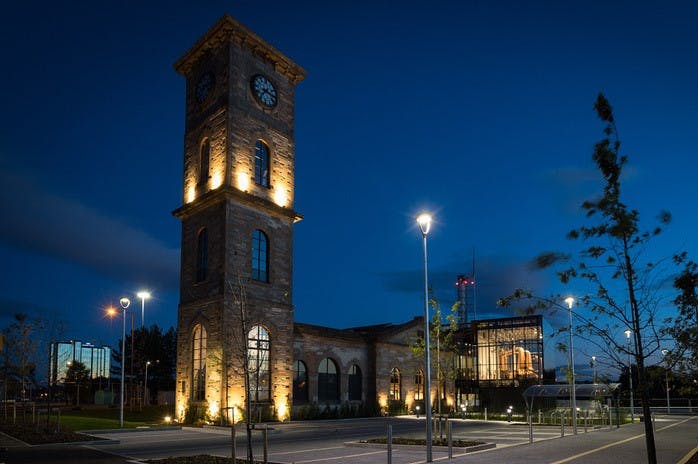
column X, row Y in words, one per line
column 235, row 317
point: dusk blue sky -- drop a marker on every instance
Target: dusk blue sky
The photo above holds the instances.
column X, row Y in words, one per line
column 480, row 112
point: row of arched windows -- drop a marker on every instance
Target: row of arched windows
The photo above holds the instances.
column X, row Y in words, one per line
column 260, row 256
column 328, row 382
column 261, row 163
column 258, row 349
column 395, row 388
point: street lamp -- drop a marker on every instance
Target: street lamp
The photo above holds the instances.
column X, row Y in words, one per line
column 570, row 301
column 593, row 365
column 424, row 221
column 666, row 380
column 125, row 303
column 628, row 333
column 143, row 295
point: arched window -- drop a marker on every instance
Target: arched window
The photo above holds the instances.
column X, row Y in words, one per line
column 258, row 363
column 300, row 382
column 261, row 164
column 202, row 255
column 204, row 161
column 328, row 381
column 395, row 385
column 419, row 386
column 199, row 363
column 260, row 256
column 355, row 383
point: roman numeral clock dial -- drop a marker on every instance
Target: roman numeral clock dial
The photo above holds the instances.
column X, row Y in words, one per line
column 264, row 91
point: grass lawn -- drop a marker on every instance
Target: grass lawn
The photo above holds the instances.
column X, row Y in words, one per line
column 95, row 418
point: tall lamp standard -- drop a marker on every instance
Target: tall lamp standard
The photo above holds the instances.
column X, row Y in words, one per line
column 424, row 221
column 145, row 385
column 628, row 333
column 143, row 295
column 570, row 301
column 125, row 303
column 666, row 380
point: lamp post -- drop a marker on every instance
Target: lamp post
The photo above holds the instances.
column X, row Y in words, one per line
column 628, row 333
column 593, row 365
column 145, row 385
column 143, row 295
column 125, row 303
column 666, row 380
column 570, row 301
column 424, row 221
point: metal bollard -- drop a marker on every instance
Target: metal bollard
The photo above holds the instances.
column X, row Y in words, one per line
column 530, row 428
column 265, row 435
column 390, row 443
column 449, row 434
column 485, row 413
column 540, row 416
column 562, row 425
column 586, row 418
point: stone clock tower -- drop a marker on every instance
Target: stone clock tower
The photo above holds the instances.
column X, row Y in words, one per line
column 237, row 225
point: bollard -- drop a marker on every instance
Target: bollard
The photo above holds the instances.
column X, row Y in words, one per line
column 265, row 435
column 485, row 413
column 586, row 418
column 654, row 423
column 530, row 428
column 233, row 451
column 562, row 425
column 390, row 443
column 540, row 417
column 58, row 425
column 449, row 434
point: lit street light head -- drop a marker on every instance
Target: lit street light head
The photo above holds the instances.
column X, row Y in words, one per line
column 125, row 302
column 143, row 295
column 570, row 301
column 627, row 333
column 424, row 221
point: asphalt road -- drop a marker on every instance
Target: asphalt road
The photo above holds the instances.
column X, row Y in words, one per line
column 324, row 442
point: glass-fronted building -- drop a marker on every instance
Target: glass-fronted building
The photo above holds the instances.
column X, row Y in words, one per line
column 97, row 359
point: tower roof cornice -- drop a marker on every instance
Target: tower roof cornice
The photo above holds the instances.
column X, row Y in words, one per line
column 228, row 29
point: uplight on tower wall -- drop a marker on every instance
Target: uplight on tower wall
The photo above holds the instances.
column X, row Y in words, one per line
column 424, row 222
column 570, row 302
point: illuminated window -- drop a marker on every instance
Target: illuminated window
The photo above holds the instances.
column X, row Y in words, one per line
column 260, row 256
column 258, row 363
column 328, row 381
column 199, row 363
column 395, row 385
column 204, row 161
column 419, row 386
column 300, row 382
column 355, row 383
column 261, row 164
column 202, row 255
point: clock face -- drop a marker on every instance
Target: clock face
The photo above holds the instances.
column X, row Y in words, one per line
column 264, row 91
column 204, row 86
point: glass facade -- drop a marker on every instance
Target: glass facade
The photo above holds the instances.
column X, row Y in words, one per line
column 97, row 359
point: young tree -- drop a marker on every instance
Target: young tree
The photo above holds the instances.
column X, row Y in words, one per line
column 79, row 375
column 624, row 287
column 683, row 328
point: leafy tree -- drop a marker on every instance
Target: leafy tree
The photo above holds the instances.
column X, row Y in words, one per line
column 79, row 375
column 624, row 289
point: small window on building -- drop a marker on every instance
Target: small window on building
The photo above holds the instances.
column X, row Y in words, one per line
column 202, row 255
column 258, row 364
column 300, row 382
column 328, row 381
column 198, row 363
column 419, row 386
column 260, row 256
column 261, row 164
column 395, row 385
column 204, row 161
column 355, row 380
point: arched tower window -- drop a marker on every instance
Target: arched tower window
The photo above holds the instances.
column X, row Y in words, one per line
column 328, row 381
column 199, row 363
column 419, row 386
column 395, row 385
column 260, row 256
column 355, row 383
column 202, row 255
column 261, row 164
column 258, row 363
column 204, row 161
column 300, row 382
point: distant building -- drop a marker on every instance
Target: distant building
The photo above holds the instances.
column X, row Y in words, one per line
column 97, row 359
